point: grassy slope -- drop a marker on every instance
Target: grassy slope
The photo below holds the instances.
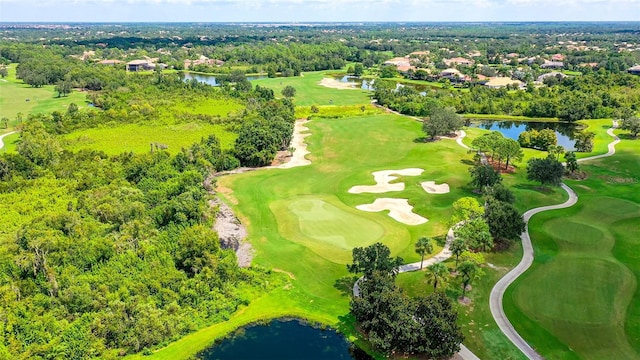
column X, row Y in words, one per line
column 308, row 92
column 13, row 95
column 580, row 299
column 136, row 138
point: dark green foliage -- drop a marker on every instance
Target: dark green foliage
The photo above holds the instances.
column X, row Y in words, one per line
column 504, row 220
column 540, row 140
column 584, row 141
column 442, row 122
column 631, row 124
column 484, row 175
column 571, row 162
column 500, row 193
column 114, row 254
column 547, row 171
column 423, row 246
column 397, row 324
column 475, row 234
column 374, row 258
column 289, row 91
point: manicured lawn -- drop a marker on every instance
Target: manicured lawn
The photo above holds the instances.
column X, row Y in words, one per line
column 310, row 92
column 580, row 299
column 137, row 138
column 14, row 93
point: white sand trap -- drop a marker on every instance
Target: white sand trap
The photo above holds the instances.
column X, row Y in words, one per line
column 337, row 84
column 383, row 178
column 298, row 157
column 399, row 210
column 432, row 188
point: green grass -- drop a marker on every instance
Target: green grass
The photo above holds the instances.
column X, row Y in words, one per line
column 13, row 95
column 310, row 92
column 137, row 138
column 10, row 143
column 580, row 299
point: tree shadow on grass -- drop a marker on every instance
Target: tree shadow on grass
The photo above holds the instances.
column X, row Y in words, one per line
column 627, row 136
column 537, row 188
column 345, row 284
column 424, row 139
column 468, row 162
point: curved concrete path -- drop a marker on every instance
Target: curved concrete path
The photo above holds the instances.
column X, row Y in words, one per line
column 3, row 136
column 497, row 293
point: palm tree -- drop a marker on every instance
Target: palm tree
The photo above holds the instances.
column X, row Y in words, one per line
column 458, row 246
column 424, row 246
column 468, row 270
column 438, row 271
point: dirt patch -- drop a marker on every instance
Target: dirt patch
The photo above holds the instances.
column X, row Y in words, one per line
column 232, row 233
column 431, row 187
column 383, row 179
column 620, row 180
column 300, row 131
column 399, row 210
column 336, row 84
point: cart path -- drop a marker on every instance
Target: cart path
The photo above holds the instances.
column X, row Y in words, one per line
column 497, row 293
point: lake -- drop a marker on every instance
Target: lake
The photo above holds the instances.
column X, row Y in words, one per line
column 512, row 129
column 283, row 339
column 211, row 79
column 361, row 83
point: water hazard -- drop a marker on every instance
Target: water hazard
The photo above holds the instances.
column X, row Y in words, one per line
column 512, row 129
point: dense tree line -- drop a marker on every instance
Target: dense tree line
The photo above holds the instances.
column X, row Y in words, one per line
column 112, row 254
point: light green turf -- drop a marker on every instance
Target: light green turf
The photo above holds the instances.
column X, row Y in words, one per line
column 137, row 138
column 10, row 143
column 331, row 229
column 310, row 92
column 13, row 95
column 581, row 299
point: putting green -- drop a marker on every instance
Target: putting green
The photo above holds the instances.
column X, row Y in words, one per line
column 327, row 227
column 571, row 235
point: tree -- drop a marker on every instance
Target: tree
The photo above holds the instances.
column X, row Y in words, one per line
column 504, row 220
column 556, row 150
column 476, row 234
column 509, row 149
column 468, row 271
column 631, row 124
column 376, row 257
column 438, row 273
column 3, row 71
column 423, row 247
column 358, row 69
column 457, row 247
column 484, row 175
column 546, row 171
column 584, row 141
column 441, row 122
column 571, row 161
column 439, row 334
column 63, row 88
column 499, row 192
column 388, row 72
column 466, row 208
column 289, row 91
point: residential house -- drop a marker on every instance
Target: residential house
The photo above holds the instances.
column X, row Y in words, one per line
column 552, row 64
column 140, row 65
column 110, row 62
column 500, row 82
column 458, row 61
column 634, row 70
column 557, row 57
column 556, row 74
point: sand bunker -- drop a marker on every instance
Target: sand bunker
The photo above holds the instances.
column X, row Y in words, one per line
column 298, row 157
column 432, row 188
column 337, row 84
column 399, row 210
column 382, row 179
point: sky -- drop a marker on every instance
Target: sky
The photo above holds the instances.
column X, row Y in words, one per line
column 316, row 10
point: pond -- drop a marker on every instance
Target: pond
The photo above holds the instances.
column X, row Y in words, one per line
column 283, row 339
column 211, row 79
column 512, row 129
column 361, row 83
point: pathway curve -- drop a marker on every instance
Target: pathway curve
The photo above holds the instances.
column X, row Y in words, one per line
column 3, row 136
column 497, row 293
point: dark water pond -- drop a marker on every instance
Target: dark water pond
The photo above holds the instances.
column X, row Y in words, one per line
column 512, row 129
column 283, row 340
column 211, row 79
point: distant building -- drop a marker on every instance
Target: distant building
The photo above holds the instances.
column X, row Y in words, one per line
column 458, row 61
column 110, row 62
column 557, row 57
column 203, row 60
column 552, row 64
column 555, row 74
column 140, row 65
column 402, row 64
column 634, row 70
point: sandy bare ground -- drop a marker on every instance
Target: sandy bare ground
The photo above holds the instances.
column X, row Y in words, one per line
column 383, row 178
column 300, row 131
column 337, row 84
column 399, row 210
column 432, row 188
